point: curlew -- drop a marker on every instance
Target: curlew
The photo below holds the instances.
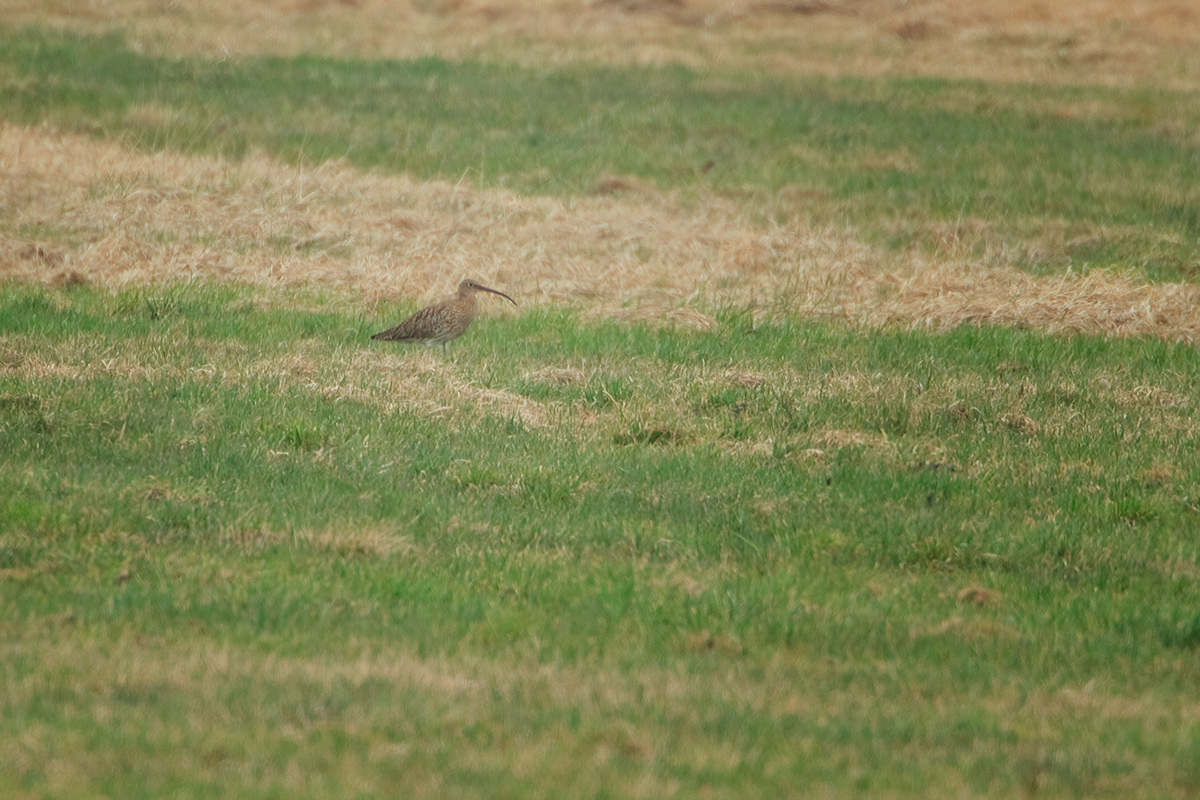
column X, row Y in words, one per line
column 442, row 321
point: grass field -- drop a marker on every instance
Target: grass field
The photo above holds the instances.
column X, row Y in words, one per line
column 1110, row 176
column 861, row 461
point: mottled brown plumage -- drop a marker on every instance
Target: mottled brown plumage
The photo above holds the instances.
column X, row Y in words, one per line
column 443, row 321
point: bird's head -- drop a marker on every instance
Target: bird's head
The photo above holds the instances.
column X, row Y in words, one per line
column 469, row 285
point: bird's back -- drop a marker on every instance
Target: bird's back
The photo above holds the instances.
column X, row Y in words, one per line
column 436, row 324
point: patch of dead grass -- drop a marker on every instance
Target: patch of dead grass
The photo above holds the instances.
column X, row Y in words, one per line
column 74, row 363
column 971, row 630
column 135, row 218
column 978, row 596
column 1087, row 41
column 742, row 447
column 742, row 378
column 837, row 438
column 662, row 712
column 417, row 381
column 422, row 382
column 1148, row 397
column 356, row 540
column 705, row 642
column 380, row 542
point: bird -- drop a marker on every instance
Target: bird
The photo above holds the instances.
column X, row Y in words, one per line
column 441, row 322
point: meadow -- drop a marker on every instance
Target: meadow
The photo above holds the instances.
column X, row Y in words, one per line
column 843, row 443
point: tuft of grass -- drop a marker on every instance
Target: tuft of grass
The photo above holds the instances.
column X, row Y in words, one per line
column 243, row 546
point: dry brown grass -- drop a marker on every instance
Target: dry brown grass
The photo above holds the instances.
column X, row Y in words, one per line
column 354, row 540
column 117, row 217
column 1107, row 41
column 472, row 687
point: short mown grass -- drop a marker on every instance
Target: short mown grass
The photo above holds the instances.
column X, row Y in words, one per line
column 1049, row 178
column 245, row 551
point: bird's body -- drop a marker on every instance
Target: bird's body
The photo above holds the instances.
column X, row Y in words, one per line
column 441, row 322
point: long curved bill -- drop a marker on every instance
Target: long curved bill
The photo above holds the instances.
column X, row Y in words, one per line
column 502, row 294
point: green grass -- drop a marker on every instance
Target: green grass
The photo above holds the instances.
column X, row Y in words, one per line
column 1060, row 177
column 244, row 551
